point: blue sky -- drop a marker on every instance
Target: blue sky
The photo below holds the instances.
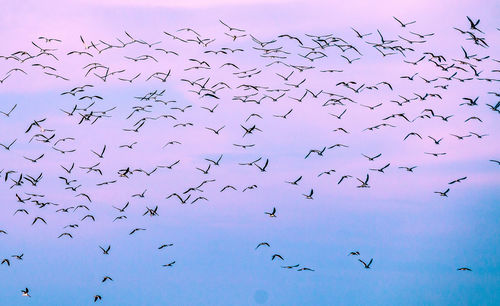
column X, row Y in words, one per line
column 417, row 239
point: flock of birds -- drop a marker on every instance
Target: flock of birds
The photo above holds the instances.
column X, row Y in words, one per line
column 202, row 78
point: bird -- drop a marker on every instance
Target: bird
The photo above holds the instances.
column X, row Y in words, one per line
column 409, row 169
column 435, row 154
column 272, row 214
column 231, row 28
column 372, row 107
column 38, row 218
column 434, row 139
column 367, row 266
column 309, row 196
column 457, row 180
column 373, row 157
column 199, row 198
column 204, row 171
column 18, row 257
column 183, row 201
column 262, row 169
column 105, row 251
column 403, row 25
column 329, row 172
column 381, row 169
column 319, row 152
column 100, row 155
column 343, row 178
column 25, row 292
column 130, row 146
column 136, row 229
column 34, row 160
column 478, row 135
column 262, row 244
column 171, row 165
column 443, row 193
column 473, row 24
column 88, row 216
column 70, row 168
column 276, row 256
column 354, row 253
column 119, row 218
column 140, row 195
column 339, row 116
column 464, row 269
column 305, row 269
column 227, row 187
column 10, row 145
column 412, row 134
column 7, row 114
column 295, row 182
column 359, row 35
column 364, row 184
column 105, row 278
column 121, row 209
column 65, row 234
column 165, row 245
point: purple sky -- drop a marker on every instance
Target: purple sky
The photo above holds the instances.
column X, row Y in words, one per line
column 416, row 237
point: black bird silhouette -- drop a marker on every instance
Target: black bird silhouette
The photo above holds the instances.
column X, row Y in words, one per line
column 272, row 214
column 105, row 278
column 262, row 244
column 262, row 169
column 38, row 218
column 457, row 180
column 309, row 196
column 367, row 266
column 276, row 256
column 231, row 28
column 25, row 292
column 409, row 169
column 165, row 245
column 136, row 229
column 105, row 251
column 10, row 145
column 372, row 158
column 7, row 114
column 295, row 182
column 403, row 24
column 464, row 269
column 34, row 160
column 381, row 169
column 305, row 269
column 101, row 155
column 443, row 193
column 364, row 184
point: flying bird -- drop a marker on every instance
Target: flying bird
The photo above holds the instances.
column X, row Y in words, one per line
column 367, row 266
column 272, row 214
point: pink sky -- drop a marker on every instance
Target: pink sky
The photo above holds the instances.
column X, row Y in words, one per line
column 399, row 214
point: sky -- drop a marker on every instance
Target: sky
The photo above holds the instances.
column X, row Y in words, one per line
column 416, row 238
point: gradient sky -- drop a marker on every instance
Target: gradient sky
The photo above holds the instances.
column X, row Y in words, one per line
column 417, row 239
